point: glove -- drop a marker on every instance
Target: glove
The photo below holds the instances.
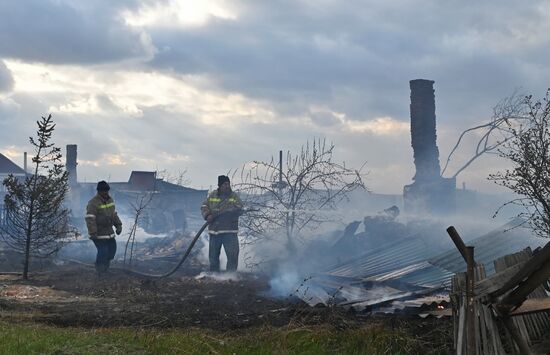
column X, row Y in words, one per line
column 209, row 218
column 93, row 235
column 118, row 230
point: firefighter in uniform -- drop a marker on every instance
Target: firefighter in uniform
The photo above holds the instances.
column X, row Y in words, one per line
column 222, row 209
column 101, row 216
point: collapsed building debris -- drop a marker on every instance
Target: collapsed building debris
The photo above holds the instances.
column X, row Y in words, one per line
column 396, row 272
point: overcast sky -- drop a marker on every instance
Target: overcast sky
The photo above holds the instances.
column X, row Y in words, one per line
column 206, row 86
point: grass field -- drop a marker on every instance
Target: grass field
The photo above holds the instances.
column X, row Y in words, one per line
column 31, row 338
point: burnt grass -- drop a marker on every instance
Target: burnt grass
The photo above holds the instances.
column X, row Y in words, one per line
column 182, row 300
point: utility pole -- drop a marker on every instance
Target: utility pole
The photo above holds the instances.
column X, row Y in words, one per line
column 280, row 185
column 280, row 171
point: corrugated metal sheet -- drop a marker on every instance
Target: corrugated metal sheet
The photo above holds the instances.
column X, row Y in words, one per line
column 491, row 246
column 422, row 274
column 409, row 268
column 388, row 257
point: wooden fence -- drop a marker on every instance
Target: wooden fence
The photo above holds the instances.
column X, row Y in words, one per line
column 508, row 312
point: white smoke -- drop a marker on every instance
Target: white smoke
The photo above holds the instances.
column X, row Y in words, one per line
column 219, row 276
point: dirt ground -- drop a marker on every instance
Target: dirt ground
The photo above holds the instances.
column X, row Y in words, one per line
column 73, row 295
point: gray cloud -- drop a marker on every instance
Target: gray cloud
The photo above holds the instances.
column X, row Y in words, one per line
column 353, row 57
column 68, row 32
column 18, row 115
column 358, row 58
column 6, row 79
column 326, row 119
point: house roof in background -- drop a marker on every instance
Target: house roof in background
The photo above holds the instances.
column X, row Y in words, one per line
column 9, row 167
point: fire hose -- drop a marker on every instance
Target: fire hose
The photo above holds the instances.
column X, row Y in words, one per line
column 175, row 268
column 187, row 252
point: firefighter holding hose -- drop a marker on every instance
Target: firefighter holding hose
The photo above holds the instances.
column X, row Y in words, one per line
column 221, row 210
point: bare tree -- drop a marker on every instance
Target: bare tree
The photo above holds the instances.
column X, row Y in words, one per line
column 296, row 197
column 179, row 178
column 506, row 114
column 36, row 219
column 528, row 151
column 138, row 206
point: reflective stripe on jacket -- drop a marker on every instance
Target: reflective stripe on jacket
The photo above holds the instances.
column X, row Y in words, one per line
column 225, row 210
column 101, row 216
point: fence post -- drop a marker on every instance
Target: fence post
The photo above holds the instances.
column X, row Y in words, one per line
column 471, row 315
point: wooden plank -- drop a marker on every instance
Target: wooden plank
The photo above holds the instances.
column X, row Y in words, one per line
column 532, row 305
column 459, row 284
column 521, row 342
column 454, row 306
column 520, row 322
column 533, row 263
column 497, row 347
column 532, row 326
column 542, row 317
column 483, row 344
column 515, row 326
column 472, row 326
column 460, row 340
column 496, row 281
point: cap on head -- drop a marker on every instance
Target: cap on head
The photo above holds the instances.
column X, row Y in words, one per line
column 222, row 179
column 103, row 186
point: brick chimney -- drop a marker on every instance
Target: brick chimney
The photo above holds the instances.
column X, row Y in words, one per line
column 429, row 193
column 71, row 163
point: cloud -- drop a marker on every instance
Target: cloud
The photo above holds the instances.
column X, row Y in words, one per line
column 383, row 126
column 65, row 31
column 6, row 79
column 8, row 108
column 358, row 58
column 212, row 84
column 379, row 126
column 179, row 13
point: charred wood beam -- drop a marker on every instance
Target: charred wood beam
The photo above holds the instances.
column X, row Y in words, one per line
column 459, row 243
column 468, row 255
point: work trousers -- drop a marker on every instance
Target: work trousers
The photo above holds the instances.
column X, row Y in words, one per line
column 106, row 250
column 230, row 244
